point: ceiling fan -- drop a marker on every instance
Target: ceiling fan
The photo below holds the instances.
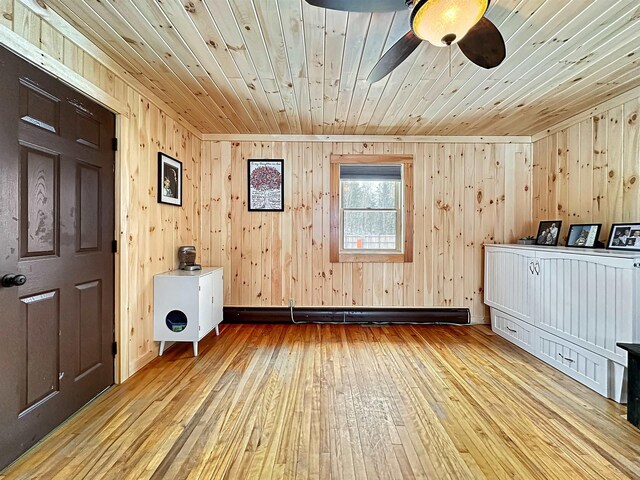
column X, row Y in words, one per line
column 439, row 22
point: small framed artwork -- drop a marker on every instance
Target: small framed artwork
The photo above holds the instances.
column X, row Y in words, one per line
column 549, row 233
column 169, row 180
column 584, row 235
column 266, row 185
column 625, row 236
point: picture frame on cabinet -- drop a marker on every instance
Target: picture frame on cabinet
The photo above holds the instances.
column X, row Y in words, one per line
column 549, row 233
column 169, row 180
column 584, row 235
column 624, row 236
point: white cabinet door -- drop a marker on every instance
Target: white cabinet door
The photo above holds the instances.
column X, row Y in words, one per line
column 510, row 281
column 582, row 299
column 206, row 304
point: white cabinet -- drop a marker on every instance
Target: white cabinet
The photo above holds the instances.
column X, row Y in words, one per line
column 568, row 307
column 187, row 305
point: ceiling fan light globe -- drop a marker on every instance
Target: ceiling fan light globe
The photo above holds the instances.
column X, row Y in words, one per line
column 439, row 21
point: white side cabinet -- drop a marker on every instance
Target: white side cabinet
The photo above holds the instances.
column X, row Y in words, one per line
column 187, row 306
column 569, row 307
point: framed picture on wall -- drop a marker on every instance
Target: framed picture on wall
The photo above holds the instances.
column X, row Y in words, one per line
column 584, row 235
column 169, row 180
column 624, row 236
column 549, row 232
column 265, row 185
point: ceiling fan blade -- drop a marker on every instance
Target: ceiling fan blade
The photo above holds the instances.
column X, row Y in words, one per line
column 484, row 45
column 360, row 5
column 393, row 57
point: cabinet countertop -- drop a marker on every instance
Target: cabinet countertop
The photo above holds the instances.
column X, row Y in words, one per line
column 185, row 273
column 601, row 252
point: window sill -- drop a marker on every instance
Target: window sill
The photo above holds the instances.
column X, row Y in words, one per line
column 372, row 258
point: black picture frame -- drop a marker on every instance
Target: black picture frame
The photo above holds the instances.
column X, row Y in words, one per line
column 169, row 180
column 576, row 232
column 265, row 185
column 542, row 229
column 619, row 229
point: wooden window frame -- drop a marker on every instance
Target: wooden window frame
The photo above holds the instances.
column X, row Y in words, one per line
column 335, row 256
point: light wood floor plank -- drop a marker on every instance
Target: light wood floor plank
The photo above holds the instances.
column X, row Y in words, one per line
column 343, row 402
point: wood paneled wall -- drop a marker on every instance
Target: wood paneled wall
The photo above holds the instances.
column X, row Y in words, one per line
column 465, row 195
column 149, row 233
column 590, row 170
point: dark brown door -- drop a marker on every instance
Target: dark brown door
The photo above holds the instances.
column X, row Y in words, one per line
column 56, row 227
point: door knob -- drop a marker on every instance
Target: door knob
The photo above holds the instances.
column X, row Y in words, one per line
column 13, row 280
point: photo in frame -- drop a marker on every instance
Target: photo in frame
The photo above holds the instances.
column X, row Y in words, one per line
column 549, row 233
column 584, row 235
column 169, row 180
column 265, row 185
column 624, row 236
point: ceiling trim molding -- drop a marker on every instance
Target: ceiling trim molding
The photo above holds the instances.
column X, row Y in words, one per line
column 70, row 32
column 30, row 52
column 212, row 137
column 598, row 109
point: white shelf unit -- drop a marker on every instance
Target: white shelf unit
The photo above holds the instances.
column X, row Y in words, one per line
column 568, row 307
column 187, row 305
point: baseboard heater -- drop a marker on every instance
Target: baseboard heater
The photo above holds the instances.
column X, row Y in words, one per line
column 382, row 315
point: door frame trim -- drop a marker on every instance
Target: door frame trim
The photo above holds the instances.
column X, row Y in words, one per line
column 121, row 359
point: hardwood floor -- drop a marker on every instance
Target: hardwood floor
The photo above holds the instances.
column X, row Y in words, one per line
column 342, row 402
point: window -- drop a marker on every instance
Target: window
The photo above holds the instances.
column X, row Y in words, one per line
column 371, row 214
column 371, row 208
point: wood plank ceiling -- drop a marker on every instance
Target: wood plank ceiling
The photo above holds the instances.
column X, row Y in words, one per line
column 282, row 66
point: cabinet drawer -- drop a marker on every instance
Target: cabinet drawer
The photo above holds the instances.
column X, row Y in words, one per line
column 516, row 331
column 584, row 366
